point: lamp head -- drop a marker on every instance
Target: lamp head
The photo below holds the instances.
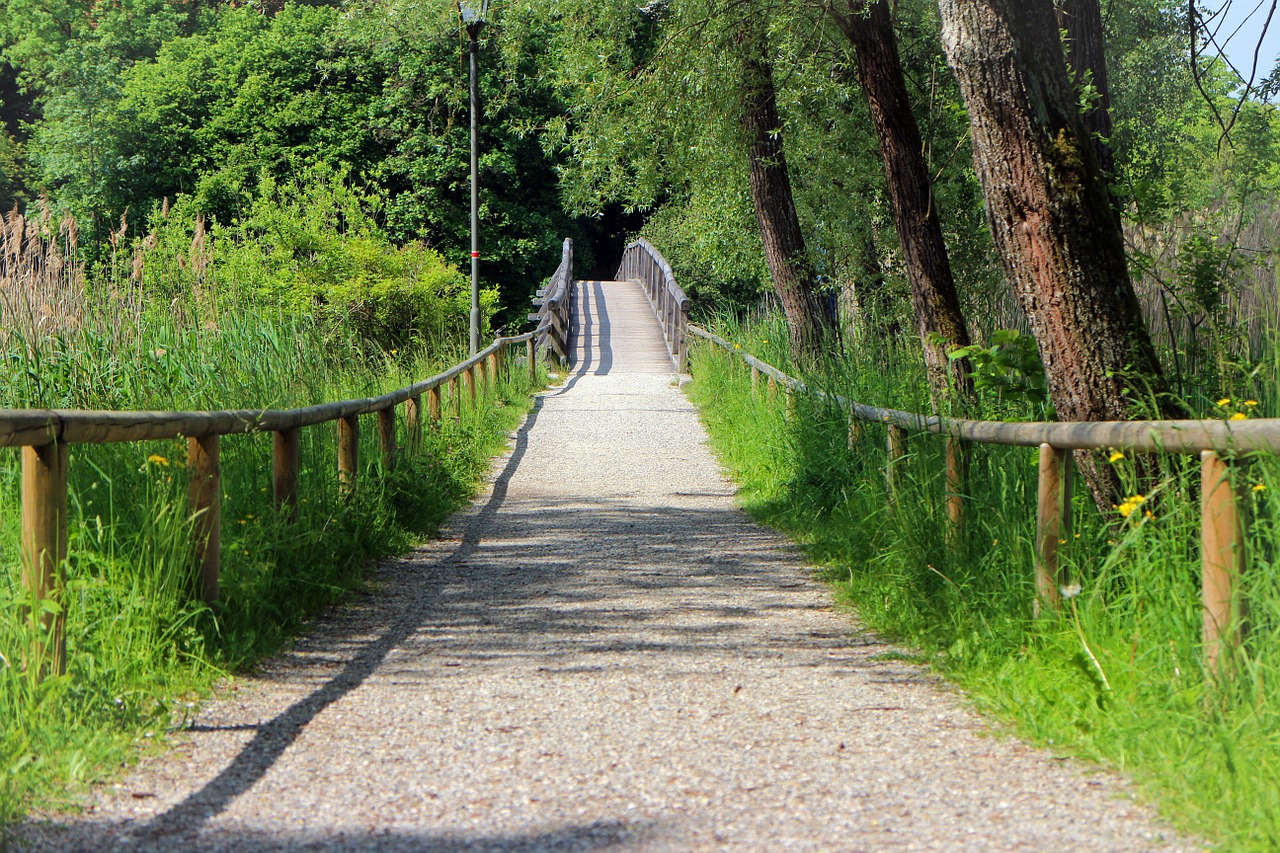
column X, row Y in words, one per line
column 473, row 13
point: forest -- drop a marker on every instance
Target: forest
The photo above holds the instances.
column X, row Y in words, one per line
column 1005, row 210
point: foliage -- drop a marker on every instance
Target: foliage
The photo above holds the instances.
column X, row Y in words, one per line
column 212, row 103
column 1009, row 367
column 313, row 244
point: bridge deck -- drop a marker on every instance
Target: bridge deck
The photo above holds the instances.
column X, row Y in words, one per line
column 614, row 328
column 602, row 653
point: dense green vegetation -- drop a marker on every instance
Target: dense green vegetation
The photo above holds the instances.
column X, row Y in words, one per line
column 1118, row 677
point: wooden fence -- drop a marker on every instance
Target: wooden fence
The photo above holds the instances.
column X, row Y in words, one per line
column 1222, row 527
column 46, row 434
column 643, row 263
column 553, row 315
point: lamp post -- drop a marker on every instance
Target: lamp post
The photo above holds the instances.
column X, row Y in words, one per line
column 473, row 14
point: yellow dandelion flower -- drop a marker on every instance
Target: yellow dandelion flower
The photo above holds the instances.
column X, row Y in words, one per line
column 1130, row 504
column 157, row 459
column 1115, row 456
column 1238, row 416
column 1225, row 401
column 1259, row 488
column 1251, row 403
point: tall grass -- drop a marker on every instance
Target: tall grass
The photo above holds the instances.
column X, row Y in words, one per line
column 1117, row 676
column 141, row 648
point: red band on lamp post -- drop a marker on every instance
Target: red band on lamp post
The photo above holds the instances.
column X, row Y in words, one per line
column 475, row 254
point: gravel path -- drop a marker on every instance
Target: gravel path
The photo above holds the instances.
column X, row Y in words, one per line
column 602, row 653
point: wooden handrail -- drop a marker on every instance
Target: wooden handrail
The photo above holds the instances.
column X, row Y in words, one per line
column 642, row 262
column 554, row 306
column 36, row 427
column 46, row 434
column 1222, row 528
column 1185, row 436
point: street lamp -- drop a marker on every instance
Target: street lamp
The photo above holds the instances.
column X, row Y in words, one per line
column 473, row 14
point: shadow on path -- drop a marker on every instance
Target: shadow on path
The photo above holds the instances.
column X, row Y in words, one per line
column 274, row 737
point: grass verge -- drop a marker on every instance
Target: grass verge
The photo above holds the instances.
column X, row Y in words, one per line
column 141, row 651
column 1117, row 678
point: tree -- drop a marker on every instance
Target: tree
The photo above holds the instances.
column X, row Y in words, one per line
column 935, row 303
column 1056, row 231
column 810, row 319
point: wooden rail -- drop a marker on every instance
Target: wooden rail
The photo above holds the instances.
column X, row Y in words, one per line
column 553, row 315
column 643, row 263
column 45, row 435
column 1222, row 531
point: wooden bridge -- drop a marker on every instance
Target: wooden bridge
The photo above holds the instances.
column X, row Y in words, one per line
column 602, row 653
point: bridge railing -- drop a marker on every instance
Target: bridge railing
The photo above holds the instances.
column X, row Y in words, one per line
column 643, row 263
column 46, row 434
column 554, row 310
column 1222, row 522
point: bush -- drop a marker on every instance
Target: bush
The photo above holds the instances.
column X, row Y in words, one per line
column 313, row 245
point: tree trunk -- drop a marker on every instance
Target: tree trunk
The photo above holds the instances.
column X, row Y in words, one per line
column 810, row 318
column 1082, row 20
column 1051, row 217
column 934, row 301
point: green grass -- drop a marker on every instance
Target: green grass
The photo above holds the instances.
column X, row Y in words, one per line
column 141, row 650
column 1208, row 756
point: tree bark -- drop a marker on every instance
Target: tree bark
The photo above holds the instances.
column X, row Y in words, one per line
column 934, row 301
column 1082, row 20
column 810, row 318
column 1056, row 232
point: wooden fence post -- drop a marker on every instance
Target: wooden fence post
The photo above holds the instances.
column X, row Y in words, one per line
column 348, row 453
column 773, row 388
column 204, row 497
column 455, row 391
column 1221, row 556
column 495, row 364
column 682, row 338
column 755, row 378
column 1053, row 524
column 284, row 472
column 469, row 379
column 413, row 423
column 897, row 447
column 433, row 406
column 529, row 359
column 855, row 430
column 957, row 484
column 44, row 548
column 387, row 437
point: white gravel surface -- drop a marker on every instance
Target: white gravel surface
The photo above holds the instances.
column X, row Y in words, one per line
column 602, row 653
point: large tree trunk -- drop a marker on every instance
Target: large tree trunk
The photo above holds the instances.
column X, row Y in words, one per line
column 810, row 318
column 1082, row 21
column 1055, row 229
column 939, row 319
